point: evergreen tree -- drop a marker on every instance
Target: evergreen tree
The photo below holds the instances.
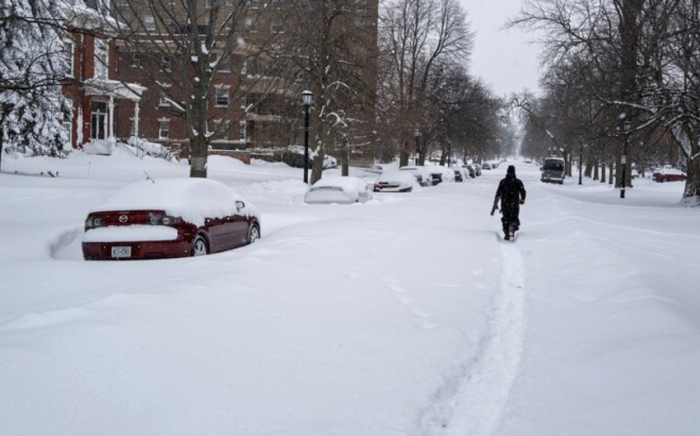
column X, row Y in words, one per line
column 32, row 64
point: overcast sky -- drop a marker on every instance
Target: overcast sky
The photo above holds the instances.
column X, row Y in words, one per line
column 506, row 60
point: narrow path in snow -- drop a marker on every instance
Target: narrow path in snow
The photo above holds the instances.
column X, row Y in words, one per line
column 471, row 403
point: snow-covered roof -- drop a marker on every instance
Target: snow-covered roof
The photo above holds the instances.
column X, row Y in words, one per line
column 114, row 88
column 348, row 183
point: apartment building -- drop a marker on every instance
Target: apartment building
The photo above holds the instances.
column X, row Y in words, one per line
column 254, row 100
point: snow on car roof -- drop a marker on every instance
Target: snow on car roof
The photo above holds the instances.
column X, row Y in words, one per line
column 396, row 176
column 669, row 170
column 193, row 199
column 348, row 183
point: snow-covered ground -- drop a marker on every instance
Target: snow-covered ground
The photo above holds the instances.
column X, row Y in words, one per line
column 402, row 316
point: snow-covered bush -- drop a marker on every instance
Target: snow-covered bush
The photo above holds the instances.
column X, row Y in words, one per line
column 31, row 66
column 146, row 148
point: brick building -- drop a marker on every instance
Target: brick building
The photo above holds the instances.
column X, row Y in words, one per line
column 121, row 91
column 90, row 81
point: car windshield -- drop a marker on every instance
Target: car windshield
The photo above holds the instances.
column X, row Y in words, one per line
column 555, row 165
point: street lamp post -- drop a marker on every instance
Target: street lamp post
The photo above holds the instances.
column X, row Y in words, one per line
column 580, row 163
column 623, row 158
column 416, row 134
column 306, row 98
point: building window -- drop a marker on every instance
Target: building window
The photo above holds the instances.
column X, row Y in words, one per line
column 219, row 130
column 164, row 129
column 164, row 100
column 244, row 67
column 149, row 23
column 101, row 59
column 224, row 63
column 253, row 4
column 68, row 53
column 136, row 59
column 244, row 131
column 68, row 124
column 250, row 24
column 222, row 96
column 277, row 25
column 165, row 63
column 132, row 128
column 164, row 94
column 275, row 3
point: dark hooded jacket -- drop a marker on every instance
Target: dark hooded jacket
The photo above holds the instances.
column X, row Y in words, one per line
column 510, row 191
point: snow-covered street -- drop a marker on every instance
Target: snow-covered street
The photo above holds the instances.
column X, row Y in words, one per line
column 405, row 315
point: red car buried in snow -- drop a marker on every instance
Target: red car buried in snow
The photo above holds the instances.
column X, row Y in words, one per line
column 668, row 174
column 169, row 218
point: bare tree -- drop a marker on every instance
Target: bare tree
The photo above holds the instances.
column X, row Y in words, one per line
column 333, row 50
column 644, row 49
column 185, row 45
column 416, row 39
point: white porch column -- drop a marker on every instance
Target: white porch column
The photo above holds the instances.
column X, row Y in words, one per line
column 136, row 118
column 111, row 117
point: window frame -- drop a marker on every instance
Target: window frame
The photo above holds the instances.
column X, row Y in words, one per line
column 219, row 89
column 69, row 55
column 100, row 69
column 163, row 122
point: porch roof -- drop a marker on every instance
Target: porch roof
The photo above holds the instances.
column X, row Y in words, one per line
column 114, row 88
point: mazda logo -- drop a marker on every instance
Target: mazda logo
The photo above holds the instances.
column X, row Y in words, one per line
column 123, row 218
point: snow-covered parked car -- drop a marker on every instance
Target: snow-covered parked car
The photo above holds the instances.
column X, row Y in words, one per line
column 439, row 174
column 469, row 170
column 340, row 189
column 421, row 174
column 395, row 181
column 169, row 218
column 668, row 174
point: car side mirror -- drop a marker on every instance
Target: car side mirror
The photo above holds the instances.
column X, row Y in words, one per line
column 239, row 205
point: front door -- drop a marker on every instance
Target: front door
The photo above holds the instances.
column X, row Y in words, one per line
column 98, row 120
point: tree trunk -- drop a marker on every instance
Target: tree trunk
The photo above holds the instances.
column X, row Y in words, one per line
column 596, row 173
column 198, row 157
column 320, row 157
column 345, row 171
column 589, row 168
column 602, row 172
column 691, row 193
column 403, row 156
column 2, row 144
column 317, row 169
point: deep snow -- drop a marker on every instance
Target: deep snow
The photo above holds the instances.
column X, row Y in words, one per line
column 402, row 316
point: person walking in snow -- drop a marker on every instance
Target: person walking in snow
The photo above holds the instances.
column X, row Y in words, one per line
column 511, row 193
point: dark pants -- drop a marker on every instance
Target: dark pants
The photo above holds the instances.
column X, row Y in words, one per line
column 510, row 216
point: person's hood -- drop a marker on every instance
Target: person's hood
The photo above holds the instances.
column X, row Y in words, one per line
column 510, row 173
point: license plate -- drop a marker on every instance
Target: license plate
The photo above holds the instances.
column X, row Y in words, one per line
column 121, row 252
